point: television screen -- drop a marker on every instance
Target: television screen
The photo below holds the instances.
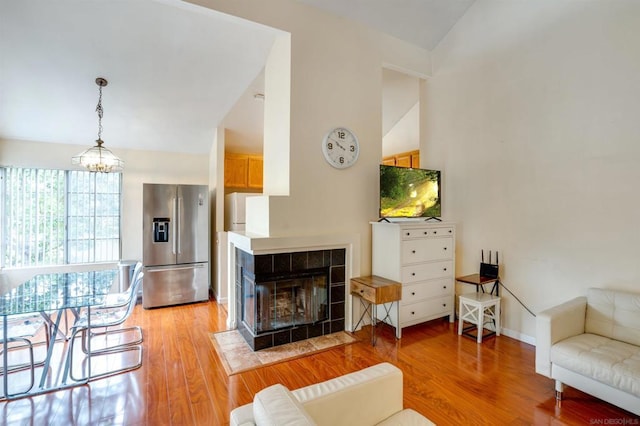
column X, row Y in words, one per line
column 406, row 192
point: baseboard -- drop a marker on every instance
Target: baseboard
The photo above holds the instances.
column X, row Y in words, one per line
column 518, row 336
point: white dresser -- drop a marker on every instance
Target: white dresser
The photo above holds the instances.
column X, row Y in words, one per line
column 421, row 256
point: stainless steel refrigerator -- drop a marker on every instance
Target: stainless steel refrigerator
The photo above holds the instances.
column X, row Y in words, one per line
column 175, row 250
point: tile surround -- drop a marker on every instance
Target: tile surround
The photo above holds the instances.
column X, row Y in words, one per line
column 295, row 262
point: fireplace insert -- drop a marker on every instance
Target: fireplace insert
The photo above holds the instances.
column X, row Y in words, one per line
column 276, row 301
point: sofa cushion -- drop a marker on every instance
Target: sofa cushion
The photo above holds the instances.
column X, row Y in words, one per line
column 406, row 417
column 341, row 400
column 606, row 360
column 613, row 314
column 276, row 406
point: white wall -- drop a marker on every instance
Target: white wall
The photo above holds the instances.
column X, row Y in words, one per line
column 405, row 135
column 336, row 75
column 532, row 113
column 140, row 167
column 400, row 112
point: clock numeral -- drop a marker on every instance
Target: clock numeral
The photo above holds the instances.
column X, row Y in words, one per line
column 341, row 134
column 352, row 148
column 341, row 160
column 329, row 145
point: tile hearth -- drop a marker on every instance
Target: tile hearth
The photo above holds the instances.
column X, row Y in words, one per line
column 237, row 356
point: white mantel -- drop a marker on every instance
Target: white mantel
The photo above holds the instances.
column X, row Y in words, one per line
column 257, row 244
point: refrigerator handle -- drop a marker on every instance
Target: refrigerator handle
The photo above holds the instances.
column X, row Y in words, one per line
column 174, row 268
column 175, row 226
column 179, row 228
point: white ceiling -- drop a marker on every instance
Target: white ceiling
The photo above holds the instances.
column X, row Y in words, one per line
column 420, row 22
column 175, row 70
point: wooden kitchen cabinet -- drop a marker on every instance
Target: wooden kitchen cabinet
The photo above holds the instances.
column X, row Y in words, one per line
column 404, row 159
column 254, row 178
column 389, row 161
column 243, row 171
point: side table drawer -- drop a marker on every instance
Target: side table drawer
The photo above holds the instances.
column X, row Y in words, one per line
column 426, row 308
column 364, row 291
column 427, row 271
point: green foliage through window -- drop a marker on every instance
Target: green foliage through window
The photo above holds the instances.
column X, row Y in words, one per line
column 54, row 217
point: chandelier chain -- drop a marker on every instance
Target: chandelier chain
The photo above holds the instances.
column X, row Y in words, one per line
column 100, row 111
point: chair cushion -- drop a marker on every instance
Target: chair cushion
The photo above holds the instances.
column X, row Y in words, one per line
column 608, row 361
column 275, row 406
column 406, row 417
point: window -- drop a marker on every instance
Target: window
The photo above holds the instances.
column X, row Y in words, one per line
column 55, row 217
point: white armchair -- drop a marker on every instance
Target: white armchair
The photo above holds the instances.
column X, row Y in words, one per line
column 372, row 396
column 592, row 343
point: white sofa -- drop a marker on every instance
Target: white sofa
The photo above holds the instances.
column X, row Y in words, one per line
column 372, row 396
column 592, row 343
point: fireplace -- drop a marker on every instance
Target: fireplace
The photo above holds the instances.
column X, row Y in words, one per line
column 284, row 300
column 287, row 297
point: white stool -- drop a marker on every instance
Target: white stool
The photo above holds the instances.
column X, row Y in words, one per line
column 477, row 308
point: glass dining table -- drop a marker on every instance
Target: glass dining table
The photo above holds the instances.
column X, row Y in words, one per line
column 53, row 296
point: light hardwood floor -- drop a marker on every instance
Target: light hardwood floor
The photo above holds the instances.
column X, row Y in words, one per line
column 450, row 379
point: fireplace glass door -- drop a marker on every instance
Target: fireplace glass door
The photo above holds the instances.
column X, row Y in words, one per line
column 283, row 303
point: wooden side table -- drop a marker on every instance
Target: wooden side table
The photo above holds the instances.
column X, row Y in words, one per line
column 480, row 281
column 373, row 290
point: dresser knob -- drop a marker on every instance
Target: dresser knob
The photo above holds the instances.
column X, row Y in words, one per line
column 444, row 248
column 362, row 291
column 435, row 232
column 450, row 231
column 413, row 274
column 444, row 305
column 413, row 251
column 444, row 269
column 413, row 313
column 444, row 286
column 408, row 233
column 425, row 232
column 413, row 293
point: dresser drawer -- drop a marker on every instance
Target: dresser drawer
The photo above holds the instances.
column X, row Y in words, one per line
column 409, row 234
column 427, row 271
column 415, row 251
column 415, row 292
column 426, row 308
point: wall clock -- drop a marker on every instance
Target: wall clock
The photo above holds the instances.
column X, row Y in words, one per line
column 340, row 147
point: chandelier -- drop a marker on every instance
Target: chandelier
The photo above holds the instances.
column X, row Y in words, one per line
column 99, row 158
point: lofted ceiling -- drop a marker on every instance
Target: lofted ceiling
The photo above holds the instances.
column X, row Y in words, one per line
column 175, row 70
column 420, row 22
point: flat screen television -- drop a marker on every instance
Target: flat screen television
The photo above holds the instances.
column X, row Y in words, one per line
column 406, row 192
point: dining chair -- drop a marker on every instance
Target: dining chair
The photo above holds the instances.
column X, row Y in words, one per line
column 96, row 322
column 21, row 329
column 114, row 303
column 123, row 298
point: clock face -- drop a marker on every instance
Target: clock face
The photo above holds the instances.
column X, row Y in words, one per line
column 340, row 147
